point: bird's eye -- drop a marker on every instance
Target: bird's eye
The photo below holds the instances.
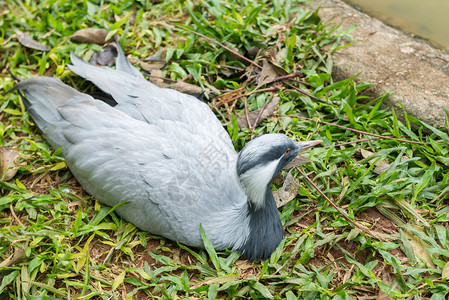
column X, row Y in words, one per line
column 287, row 152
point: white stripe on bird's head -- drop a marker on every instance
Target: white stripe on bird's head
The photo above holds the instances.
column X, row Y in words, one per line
column 257, row 180
column 262, row 158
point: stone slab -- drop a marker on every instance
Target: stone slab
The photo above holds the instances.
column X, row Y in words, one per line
column 410, row 69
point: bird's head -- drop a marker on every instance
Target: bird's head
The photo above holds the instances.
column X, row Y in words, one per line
column 262, row 158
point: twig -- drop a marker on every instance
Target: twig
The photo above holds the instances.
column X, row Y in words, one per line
column 186, row 77
column 158, row 77
column 263, row 108
column 273, row 88
column 353, row 142
column 342, row 212
column 285, row 77
column 231, row 67
column 247, row 116
column 14, row 215
column 354, row 130
column 363, row 132
column 300, row 81
column 218, row 43
column 307, row 94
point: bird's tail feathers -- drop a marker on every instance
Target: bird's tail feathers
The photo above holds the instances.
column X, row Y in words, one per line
column 42, row 97
column 109, row 80
column 123, row 64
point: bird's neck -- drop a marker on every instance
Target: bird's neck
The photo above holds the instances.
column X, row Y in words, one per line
column 265, row 229
column 256, row 182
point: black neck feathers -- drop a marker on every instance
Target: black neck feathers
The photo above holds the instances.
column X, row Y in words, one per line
column 266, row 230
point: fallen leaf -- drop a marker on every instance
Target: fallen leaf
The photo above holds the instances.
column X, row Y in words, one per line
column 348, row 274
column 252, row 115
column 152, row 65
column 297, row 161
column 228, row 96
column 132, row 18
column 366, row 154
column 9, row 159
column 276, row 62
column 445, row 272
column 267, row 75
column 28, row 42
column 388, row 280
column 382, row 168
column 91, row 36
column 156, row 77
column 105, row 57
column 275, row 58
column 18, row 254
column 419, row 249
column 252, row 51
column 186, row 88
column 236, row 57
column 287, row 192
column 243, row 265
column 155, row 62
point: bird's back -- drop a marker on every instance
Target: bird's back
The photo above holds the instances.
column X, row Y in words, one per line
column 162, row 152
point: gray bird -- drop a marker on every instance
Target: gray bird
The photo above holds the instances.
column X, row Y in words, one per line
column 166, row 156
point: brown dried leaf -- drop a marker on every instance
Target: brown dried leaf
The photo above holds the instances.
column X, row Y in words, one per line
column 345, row 184
column 366, row 153
column 267, row 75
column 132, row 18
column 28, row 42
column 18, row 254
column 186, row 88
column 252, row 52
column 445, row 272
column 244, row 265
column 288, row 191
column 91, row 36
column 419, row 248
column 348, row 274
column 297, row 161
column 382, row 168
column 156, row 78
column 9, row 159
column 252, row 115
column 105, row 57
column 276, row 61
column 387, row 279
column 275, row 58
column 226, row 97
column 152, row 65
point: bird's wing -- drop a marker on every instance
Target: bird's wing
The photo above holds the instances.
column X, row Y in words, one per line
column 157, row 168
column 144, row 101
column 172, row 176
column 123, row 64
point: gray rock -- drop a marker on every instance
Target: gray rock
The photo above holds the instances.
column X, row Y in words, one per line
column 415, row 73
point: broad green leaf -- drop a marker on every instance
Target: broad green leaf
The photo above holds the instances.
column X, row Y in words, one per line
column 210, row 249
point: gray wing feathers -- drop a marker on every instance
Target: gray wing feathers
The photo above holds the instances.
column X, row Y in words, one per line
column 44, row 96
column 144, row 101
column 162, row 151
column 123, row 64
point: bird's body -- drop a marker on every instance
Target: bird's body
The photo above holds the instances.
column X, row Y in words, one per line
column 166, row 155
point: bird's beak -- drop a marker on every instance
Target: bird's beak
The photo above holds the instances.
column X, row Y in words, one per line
column 308, row 144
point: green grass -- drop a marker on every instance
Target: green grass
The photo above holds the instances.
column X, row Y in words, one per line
column 58, row 242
